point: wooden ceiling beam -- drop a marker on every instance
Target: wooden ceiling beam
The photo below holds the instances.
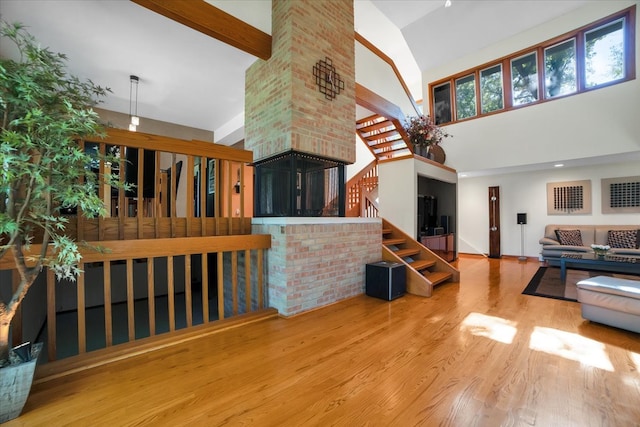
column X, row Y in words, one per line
column 209, row 20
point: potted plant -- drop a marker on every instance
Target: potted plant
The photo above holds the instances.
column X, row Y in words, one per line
column 424, row 133
column 43, row 169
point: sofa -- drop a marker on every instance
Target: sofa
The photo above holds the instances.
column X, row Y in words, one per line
column 623, row 239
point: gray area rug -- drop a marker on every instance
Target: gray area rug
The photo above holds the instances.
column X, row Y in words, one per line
column 546, row 282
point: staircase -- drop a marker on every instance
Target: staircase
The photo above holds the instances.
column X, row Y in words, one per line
column 362, row 193
column 385, row 138
column 425, row 269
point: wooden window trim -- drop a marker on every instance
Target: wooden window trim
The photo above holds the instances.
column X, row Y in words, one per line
column 629, row 16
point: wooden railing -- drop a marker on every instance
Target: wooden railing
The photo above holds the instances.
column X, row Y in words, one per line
column 188, row 188
column 177, row 249
column 135, row 289
column 358, row 186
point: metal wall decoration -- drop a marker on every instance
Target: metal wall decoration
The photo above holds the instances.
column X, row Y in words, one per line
column 328, row 81
column 621, row 195
column 567, row 198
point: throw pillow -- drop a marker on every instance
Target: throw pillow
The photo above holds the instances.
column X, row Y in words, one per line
column 622, row 239
column 569, row 237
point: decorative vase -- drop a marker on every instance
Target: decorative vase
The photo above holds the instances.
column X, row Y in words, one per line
column 15, row 385
column 600, row 253
column 437, row 153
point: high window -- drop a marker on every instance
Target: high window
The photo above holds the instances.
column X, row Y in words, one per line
column 594, row 56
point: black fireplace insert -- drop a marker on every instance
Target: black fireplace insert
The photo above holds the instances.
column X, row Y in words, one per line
column 297, row 184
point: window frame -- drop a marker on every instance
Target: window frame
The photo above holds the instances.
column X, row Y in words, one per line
column 628, row 17
column 480, row 85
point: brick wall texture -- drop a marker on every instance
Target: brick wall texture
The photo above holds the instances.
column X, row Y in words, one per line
column 284, row 109
column 312, row 265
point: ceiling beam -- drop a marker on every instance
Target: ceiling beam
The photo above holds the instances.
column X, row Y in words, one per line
column 209, row 20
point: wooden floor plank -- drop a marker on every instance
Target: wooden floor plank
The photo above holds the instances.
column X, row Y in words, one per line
column 477, row 353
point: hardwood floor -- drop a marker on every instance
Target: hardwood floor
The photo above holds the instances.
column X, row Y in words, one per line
column 478, row 353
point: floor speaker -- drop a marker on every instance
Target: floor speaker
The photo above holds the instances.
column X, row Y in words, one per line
column 386, row 280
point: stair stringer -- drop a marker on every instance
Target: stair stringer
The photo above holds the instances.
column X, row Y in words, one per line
column 418, row 282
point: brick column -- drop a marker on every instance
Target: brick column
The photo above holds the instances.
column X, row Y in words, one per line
column 312, row 261
column 284, row 110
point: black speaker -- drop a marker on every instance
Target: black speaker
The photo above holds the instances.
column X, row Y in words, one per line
column 386, row 280
column 522, row 218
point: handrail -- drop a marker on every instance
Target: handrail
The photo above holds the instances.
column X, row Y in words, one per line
column 366, row 179
column 366, row 43
column 364, row 171
column 174, row 145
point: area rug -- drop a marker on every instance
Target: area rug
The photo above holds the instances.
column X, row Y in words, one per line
column 546, row 282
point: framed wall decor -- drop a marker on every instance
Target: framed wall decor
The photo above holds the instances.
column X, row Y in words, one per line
column 569, row 198
column 621, row 195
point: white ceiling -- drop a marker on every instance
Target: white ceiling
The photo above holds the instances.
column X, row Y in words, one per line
column 193, row 80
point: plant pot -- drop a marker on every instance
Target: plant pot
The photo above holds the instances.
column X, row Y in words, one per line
column 15, row 385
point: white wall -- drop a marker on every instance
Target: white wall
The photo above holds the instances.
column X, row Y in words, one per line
column 363, row 158
column 398, row 202
column 589, row 125
column 527, row 192
column 378, row 76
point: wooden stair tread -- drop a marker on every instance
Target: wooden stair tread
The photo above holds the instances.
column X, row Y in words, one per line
column 436, row 277
column 399, row 241
column 421, row 264
column 387, row 143
column 406, row 252
column 386, row 231
column 382, row 135
column 375, row 126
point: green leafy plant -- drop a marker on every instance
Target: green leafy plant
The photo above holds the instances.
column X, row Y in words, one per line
column 43, row 169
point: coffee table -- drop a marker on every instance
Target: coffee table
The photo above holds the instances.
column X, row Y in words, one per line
column 591, row 261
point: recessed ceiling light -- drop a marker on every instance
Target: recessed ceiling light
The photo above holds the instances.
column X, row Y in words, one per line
column 463, row 175
column 558, row 165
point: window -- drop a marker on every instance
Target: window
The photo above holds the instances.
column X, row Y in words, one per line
column 442, row 103
column 560, row 69
column 594, row 56
column 524, row 79
column 604, row 54
column 466, row 97
column 491, row 89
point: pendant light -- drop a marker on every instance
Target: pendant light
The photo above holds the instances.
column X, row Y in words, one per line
column 133, row 103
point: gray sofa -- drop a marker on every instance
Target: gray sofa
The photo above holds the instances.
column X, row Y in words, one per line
column 552, row 247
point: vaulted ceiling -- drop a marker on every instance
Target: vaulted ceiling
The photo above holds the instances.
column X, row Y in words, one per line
column 192, row 79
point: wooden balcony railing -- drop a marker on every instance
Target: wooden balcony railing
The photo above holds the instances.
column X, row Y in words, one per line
column 182, row 189
column 135, row 289
column 177, row 251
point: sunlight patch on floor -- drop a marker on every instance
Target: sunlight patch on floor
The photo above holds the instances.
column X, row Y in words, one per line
column 495, row 328
column 570, row 346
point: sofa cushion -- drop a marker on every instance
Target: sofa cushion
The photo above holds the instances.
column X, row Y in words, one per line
column 627, row 239
column 569, row 237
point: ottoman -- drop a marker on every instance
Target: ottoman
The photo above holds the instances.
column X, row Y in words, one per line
column 611, row 301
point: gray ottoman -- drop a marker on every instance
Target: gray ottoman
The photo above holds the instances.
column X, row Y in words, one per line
column 612, row 301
